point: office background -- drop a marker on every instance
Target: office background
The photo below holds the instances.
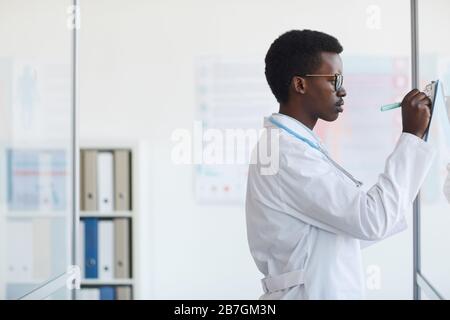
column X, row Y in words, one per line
column 143, row 69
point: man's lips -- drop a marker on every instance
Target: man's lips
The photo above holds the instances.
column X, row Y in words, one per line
column 339, row 106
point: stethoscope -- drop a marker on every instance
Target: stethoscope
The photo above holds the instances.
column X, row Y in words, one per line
column 317, row 147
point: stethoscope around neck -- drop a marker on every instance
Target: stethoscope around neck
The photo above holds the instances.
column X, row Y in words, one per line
column 316, row 146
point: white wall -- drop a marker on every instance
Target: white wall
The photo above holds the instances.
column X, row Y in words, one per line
column 136, row 81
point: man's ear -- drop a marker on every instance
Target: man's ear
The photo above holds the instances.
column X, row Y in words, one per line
column 299, row 84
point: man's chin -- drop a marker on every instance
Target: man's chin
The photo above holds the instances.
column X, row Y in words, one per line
column 330, row 117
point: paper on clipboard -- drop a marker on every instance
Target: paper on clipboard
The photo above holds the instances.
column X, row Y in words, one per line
column 438, row 135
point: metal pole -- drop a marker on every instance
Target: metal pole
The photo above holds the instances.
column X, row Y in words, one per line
column 416, row 210
column 75, row 148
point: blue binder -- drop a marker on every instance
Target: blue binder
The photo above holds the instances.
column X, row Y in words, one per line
column 91, row 248
column 107, row 293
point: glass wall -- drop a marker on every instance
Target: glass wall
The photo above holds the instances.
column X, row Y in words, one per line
column 149, row 68
column 35, row 144
column 199, row 64
column 434, row 64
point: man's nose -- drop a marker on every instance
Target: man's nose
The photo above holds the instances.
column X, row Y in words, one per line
column 341, row 92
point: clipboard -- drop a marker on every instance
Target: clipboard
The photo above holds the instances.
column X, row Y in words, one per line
column 431, row 90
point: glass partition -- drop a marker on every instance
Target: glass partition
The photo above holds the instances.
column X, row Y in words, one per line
column 199, row 65
column 434, row 64
column 35, row 145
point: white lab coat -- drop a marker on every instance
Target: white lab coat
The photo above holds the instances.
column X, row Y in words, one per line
column 305, row 223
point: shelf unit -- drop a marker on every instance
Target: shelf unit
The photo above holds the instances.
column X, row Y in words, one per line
column 58, row 261
column 46, row 245
column 137, row 158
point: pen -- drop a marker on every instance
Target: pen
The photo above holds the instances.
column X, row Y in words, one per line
column 391, row 106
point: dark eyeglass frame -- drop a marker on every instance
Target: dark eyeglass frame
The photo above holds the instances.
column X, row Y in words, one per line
column 338, row 79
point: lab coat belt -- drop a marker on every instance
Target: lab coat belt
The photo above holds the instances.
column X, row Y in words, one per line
column 283, row 281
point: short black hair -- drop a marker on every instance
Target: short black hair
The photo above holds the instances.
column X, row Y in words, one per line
column 296, row 52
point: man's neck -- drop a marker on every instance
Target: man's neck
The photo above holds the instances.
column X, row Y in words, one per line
column 295, row 112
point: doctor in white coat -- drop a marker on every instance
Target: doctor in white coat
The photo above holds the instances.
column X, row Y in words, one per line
column 307, row 220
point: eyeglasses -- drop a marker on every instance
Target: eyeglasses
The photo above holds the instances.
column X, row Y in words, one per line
column 338, row 79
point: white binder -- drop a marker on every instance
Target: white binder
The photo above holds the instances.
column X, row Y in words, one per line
column 106, row 249
column 20, row 250
column 105, row 180
column 88, row 294
column 42, row 248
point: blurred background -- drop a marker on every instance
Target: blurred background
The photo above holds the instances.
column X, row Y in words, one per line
column 124, row 82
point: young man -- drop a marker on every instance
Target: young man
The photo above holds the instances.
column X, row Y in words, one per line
column 305, row 222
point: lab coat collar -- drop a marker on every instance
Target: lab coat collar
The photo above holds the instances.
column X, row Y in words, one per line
column 296, row 126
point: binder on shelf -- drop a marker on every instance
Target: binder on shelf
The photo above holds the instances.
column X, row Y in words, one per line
column 122, row 180
column 58, row 247
column 22, row 189
column 89, row 180
column 60, row 175
column 107, row 293
column 45, row 182
column 88, row 294
column 122, row 248
column 123, row 293
column 42, row 248
column 105, row 238
column 91, row 249
column 106, row 249
column 105, row 180
column 20, row 250
column 81, row 254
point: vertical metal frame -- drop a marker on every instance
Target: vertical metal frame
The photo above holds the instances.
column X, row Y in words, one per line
column 416, row 210
column 75, row 142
